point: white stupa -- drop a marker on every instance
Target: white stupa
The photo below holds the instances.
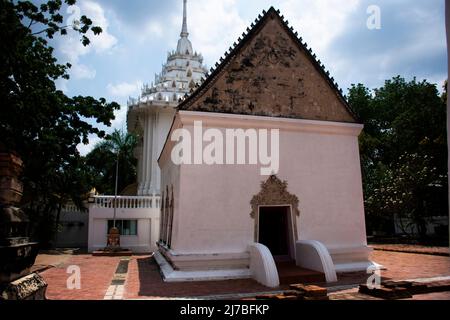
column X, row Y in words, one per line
column 150, row 115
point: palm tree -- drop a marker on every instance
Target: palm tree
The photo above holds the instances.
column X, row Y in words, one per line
column 102, row 161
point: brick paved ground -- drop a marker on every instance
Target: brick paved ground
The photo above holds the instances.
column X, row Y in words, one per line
column 143, row 280
column 444, row 251
column 432, row 296
column 96, row 275
column 402, row 266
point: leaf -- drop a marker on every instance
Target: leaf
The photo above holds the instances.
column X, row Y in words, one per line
column 85, row 41
column 96, row 30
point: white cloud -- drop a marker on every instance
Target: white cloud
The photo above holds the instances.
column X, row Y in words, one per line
column 105, row 41
column 213, row 25
column 153, row 29
column 61, row 84
column 411, row 43
column 124, row 89
column 73, row 49
column 318, row 21
column 120, row 121
column 81, row 71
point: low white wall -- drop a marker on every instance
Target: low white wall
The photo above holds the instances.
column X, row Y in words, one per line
column 147, row 224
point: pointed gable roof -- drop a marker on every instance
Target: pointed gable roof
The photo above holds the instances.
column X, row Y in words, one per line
column 270, row 72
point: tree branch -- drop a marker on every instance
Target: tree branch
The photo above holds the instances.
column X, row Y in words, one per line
column 59, row 28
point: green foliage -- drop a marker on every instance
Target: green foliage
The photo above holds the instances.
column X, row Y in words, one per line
column 403, row 151
column 101, row 162
column 38, row 121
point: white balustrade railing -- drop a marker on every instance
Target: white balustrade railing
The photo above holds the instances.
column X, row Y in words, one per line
column 127, row 202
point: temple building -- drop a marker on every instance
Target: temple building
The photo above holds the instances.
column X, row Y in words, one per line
column 215, row 219
column 223, row 221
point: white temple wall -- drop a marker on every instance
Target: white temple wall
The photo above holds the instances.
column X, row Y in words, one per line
column 320, row 162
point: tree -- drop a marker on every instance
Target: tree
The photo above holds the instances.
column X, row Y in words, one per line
column 403, row 151
column 101, row 162
column 39, row 122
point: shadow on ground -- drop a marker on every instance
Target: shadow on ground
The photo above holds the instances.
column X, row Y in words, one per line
column 152, row 285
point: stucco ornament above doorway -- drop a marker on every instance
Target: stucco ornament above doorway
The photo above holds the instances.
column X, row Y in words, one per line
column 274, row 192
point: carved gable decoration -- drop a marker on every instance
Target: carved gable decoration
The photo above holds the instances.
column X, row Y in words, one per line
column 270, row 73
column 274, row 192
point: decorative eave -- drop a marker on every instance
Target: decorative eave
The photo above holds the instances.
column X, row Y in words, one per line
column 251, row 31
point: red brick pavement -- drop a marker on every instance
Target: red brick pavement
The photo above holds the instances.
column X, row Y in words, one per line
column 409, row 248
column 144, row 281
column 402, row 266
column 432, row 296
column 96, row 276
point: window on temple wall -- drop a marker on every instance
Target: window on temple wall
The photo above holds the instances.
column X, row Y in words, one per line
column 192, row 84
column 174, row 97
column 126, row 227
column 174, row 85
column 160, row 96
column 189, row 73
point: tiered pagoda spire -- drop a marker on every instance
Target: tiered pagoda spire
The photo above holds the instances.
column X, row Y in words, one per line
column 182, row 71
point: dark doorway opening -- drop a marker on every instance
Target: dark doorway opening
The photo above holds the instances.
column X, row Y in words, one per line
column 274, row 230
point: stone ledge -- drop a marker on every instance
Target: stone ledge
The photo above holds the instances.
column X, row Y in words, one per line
column 30, row 287
column 171, row 275
column 205, row 261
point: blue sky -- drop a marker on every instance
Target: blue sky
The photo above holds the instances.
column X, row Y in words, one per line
column 139, row 33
